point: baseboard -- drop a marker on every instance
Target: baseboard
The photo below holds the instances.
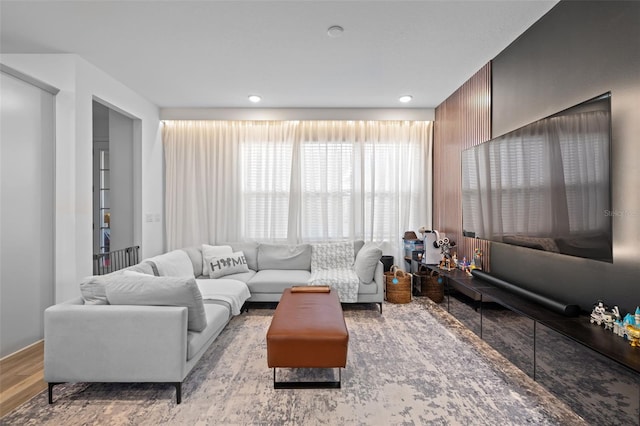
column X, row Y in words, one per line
column 21, row 351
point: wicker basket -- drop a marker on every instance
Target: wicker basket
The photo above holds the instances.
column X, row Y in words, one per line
column 433, row 288
column 399, row 291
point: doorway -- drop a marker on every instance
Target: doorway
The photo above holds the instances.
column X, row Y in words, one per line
column 113, row 189
column 27, row 216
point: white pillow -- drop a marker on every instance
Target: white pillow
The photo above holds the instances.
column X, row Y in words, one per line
column 209, row 252
column 226, row 265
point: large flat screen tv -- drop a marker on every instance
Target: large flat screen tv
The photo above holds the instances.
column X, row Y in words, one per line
column 546, row 185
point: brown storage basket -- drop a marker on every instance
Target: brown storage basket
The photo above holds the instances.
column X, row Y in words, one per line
column 400, row 292
column 432, row 288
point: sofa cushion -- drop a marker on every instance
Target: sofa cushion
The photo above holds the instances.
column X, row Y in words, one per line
column 131, row 288
column 175, row 263
column 195, row 255
column 142, row 267
column 344, row 280
column 332, row 256
column 250, row 250
column 226, row 265
column 275, row 281
column 366, row 261
column 357, row 245
column 243, row 276
column 92, row 288
column 209, row 252
column 217, row 317
column 226, row 291
column 283, row 256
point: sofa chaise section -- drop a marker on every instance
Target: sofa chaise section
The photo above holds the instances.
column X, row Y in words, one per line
column 132, row 326
column 128, row 343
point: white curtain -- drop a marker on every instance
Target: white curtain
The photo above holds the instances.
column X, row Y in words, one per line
column 297, row 181
column 202, row 181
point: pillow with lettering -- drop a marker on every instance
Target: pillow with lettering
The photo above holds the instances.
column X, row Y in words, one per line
column 219, row 266
column 213, row 251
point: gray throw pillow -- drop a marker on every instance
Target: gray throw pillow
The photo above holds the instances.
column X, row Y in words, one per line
column 93, row 291
column 139, row 289
column 92, row 288
column 366, row 262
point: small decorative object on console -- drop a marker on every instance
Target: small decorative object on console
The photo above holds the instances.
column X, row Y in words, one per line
column 627, row 328
column 445, row 249
column 601, row 316
column 477, row 259
column 632, row 328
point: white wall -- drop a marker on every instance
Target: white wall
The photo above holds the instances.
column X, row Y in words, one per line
column 79, row 83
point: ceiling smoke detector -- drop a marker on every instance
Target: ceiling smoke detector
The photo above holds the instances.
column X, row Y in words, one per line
column 335, row 31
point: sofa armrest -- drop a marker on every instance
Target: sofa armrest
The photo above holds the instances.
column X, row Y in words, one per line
column 109, row 343
column 378, row 277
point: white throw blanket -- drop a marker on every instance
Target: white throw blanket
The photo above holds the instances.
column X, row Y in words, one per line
column 233, row 292
column 344, row 280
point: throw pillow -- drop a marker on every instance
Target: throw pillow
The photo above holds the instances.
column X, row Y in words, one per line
column 331, row 256
column 227, row 265
column 93, row 291
column 209, row 252
column 366, row 261
column 93, row 288
column 141, row 289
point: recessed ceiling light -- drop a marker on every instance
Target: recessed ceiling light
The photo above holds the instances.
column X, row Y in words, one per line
column 335, row 31
column 255, row 98
column 405, row 98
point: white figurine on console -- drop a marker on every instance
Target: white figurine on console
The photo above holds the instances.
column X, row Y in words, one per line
column 597, row 315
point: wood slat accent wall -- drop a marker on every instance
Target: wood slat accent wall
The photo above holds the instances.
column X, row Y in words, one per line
column 463, row 120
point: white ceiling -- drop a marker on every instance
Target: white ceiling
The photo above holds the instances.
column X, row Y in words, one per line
column 213, row 54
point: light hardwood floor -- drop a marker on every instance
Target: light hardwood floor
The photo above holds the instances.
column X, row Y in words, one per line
column 21, row 377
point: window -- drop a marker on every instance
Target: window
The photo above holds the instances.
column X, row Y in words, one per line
column 297, row 181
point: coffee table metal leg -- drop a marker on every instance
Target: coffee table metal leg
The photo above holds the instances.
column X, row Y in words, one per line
column 308, row 385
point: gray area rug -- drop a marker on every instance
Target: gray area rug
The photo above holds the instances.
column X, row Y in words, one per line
column 413, row 365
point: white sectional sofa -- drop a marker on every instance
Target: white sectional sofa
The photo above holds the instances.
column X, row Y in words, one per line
column 274, row 267
column 152, row 322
